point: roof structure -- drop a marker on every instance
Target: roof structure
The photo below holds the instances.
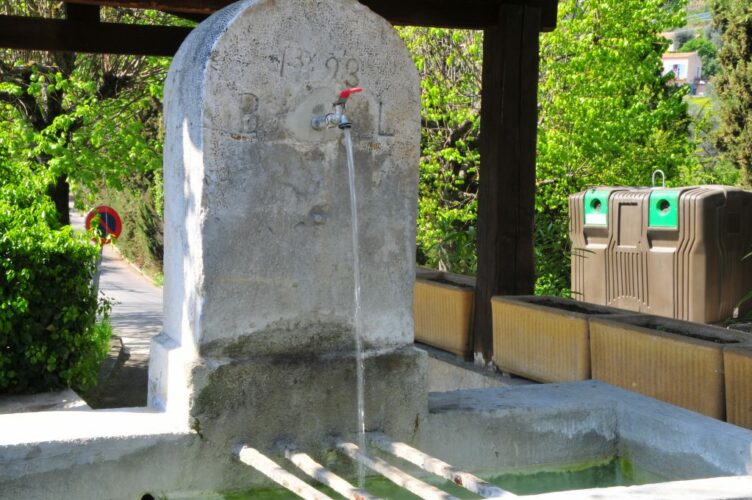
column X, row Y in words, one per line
column 679, row 55
column 82, row 31
column 506, row 198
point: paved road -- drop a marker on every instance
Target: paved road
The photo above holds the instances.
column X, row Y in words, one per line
column 137, row 309
column 136, row 316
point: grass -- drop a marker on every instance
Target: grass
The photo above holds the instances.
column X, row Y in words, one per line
column 700, row 102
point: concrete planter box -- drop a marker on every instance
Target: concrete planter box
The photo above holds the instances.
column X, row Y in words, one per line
column 675, row 361
column 737, row 362
column 544, row 338
column 443, row 308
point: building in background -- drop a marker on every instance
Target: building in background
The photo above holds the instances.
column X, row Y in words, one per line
column 686, row 67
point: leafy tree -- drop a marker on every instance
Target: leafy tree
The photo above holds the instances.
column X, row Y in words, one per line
column 48, row 306
column 85, row 118
column 733, row 19
column 90, row 119
column 449, row 62
column 707, row 51
column 606, row 116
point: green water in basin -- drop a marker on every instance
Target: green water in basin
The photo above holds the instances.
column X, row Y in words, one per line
column 617, row 472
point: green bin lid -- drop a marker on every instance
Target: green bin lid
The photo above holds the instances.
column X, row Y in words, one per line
column 596, row 207
column 664, row 209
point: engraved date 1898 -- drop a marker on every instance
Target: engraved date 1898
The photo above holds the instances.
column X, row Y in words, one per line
column 296, row 62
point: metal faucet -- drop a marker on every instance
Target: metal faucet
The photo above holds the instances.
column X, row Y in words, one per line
column 337, row 118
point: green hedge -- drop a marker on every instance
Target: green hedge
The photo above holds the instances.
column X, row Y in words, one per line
column 48, row 307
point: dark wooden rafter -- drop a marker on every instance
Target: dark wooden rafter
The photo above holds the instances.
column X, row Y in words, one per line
column 82, row 13
column 506, row 198
column 190, row 6
column 80, row 36
column 82, row 31
column 476, row 14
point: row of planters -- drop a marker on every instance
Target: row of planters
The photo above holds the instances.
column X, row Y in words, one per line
column 703, row 368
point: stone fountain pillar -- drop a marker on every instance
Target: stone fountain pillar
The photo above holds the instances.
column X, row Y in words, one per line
column 258, row 340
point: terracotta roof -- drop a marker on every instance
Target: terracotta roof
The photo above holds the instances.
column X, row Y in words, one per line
column 679, row 55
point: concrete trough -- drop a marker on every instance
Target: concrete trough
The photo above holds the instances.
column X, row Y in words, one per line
column 484, row 431
column 489, row 431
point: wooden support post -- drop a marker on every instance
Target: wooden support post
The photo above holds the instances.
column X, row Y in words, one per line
column 506, row 199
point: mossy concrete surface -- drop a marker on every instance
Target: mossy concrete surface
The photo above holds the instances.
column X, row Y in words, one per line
column 306, row 399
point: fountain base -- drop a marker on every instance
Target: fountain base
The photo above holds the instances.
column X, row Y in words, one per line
column 307, row 398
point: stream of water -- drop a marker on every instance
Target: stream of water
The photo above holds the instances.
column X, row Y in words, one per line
column 360, row 368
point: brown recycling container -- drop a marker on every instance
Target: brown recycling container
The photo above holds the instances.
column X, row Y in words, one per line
column 674, row 252
column 590, row 235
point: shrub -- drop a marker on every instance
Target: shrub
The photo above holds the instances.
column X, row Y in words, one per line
column 48, row 309
column 48, row 306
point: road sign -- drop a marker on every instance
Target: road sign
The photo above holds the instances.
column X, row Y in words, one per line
column 109, row 223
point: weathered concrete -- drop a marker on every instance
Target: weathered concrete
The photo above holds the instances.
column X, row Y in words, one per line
column 490, row 431
column 449, row 372
column 308, row 398
column 257, row 212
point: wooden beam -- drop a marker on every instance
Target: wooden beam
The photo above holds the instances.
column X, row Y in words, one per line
column 194, row 6
column 84, row 13
column 33, row 33
column 476, row 14
column 506, row 197
column 190, row 16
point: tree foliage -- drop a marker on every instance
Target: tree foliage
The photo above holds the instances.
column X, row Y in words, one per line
column 48, row 307
column 449, row 63
column 708, row 53
column 733, row 19
column 85, row 118
column 94, row 120
column 607, row 116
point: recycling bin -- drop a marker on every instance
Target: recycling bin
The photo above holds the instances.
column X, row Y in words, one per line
column 675, row 252
column 590, row 235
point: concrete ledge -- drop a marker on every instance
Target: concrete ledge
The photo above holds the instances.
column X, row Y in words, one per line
column 737, row 487
column 64, row 400
column 111, row 454
column 66, row 426
column 449, row 372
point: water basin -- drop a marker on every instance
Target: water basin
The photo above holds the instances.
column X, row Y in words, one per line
column 616, row 472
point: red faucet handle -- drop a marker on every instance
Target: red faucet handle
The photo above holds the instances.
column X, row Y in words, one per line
column 345, row 94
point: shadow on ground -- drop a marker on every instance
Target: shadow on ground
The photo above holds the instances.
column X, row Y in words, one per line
column 123, row 379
